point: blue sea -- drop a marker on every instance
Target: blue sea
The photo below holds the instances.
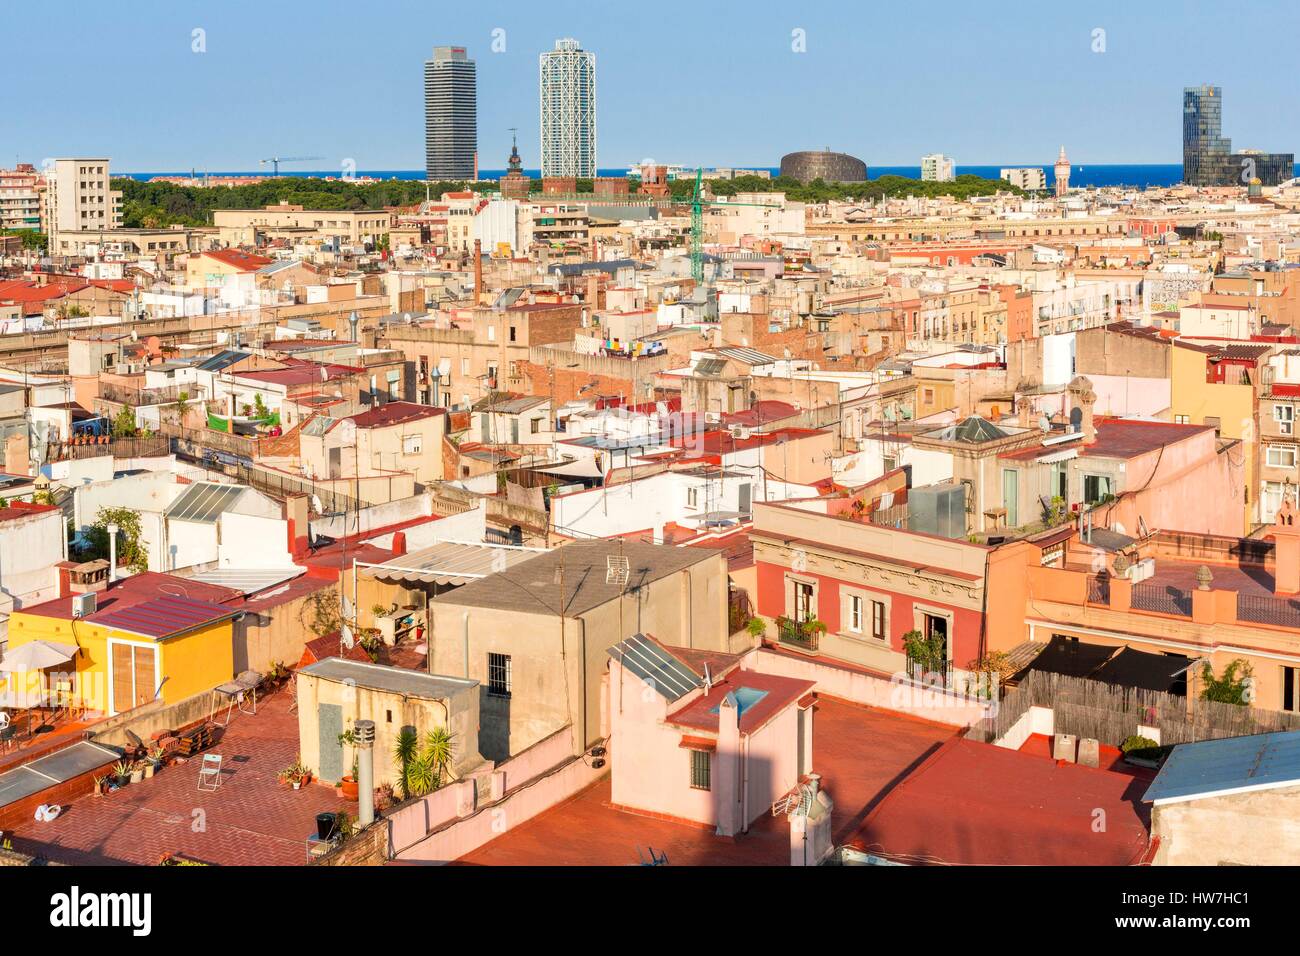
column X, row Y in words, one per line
column 1110, row 174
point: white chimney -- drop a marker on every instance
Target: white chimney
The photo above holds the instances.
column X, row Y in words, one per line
column 365, row 772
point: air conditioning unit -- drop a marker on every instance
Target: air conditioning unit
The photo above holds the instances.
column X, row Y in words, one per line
column 84, row 605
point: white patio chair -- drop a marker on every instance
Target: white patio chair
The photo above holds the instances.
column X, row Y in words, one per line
column 210, row 772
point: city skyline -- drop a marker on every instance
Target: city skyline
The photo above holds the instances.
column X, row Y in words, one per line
column 450, row 114
column 1082, row 87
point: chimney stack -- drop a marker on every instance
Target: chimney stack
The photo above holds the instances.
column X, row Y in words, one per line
column 478, row 272
column 365, row 772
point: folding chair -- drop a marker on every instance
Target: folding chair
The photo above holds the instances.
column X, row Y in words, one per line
column 210, row 772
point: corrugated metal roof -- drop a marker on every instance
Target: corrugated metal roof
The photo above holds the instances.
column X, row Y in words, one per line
column 247, row 580
column 1229, row 765
column 164, row 616
column 747, row 355
column 204, row 502
column 395, row 680
column 319, row 425
column 453, row 562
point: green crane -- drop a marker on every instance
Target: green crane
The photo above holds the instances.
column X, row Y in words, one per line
column 698, row 202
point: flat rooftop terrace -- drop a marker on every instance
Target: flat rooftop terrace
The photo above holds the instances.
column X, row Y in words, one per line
column 860, row 752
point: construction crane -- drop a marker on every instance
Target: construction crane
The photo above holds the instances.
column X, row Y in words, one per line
column 275, row 161
column 698, row 202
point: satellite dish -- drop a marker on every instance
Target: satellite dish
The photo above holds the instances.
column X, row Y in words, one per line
column 347, row 607
column 1043, row 423
column 315, row 503
column 345, row 632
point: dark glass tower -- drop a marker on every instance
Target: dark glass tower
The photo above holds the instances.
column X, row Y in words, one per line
column 1207, row 154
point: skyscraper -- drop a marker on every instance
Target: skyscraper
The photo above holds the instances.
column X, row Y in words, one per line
column 1208, row 159
column 450, row 115
column 568, row 110
column 1206, row 151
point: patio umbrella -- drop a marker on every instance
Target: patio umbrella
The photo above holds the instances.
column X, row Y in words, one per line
column 36, row 655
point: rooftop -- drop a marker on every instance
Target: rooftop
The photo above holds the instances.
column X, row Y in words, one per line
column 1211, row 768
column 395, row 680
column 252, row 820
column 972, row 803
column 859, row 751
column 534, row 586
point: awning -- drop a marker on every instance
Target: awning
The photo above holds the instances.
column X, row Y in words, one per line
column 36, row 656
column 578, row 468
column 698, row 743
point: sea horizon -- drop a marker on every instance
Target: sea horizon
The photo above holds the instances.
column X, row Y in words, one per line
column 1139, row 175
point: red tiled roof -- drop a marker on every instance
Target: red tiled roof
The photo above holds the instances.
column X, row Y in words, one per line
column 245, row 261
column 395, row 413
column 975, row 803
column 1128, row 438
column 23, row 509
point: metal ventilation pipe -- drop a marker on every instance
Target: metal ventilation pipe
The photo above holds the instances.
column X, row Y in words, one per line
column 365, row 771
column 112, row 552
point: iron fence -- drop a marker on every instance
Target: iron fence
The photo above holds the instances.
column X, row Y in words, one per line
column 1162, row 598
column 1262, row 609
column 797, row 634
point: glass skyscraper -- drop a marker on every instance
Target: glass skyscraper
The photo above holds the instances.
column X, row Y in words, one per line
column 1208, row 159
column 450, row 115
column 568, row 110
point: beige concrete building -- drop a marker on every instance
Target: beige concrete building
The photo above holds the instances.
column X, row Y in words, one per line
column 335, row 693
column 535, row 635
column 396, row 437
column 246, row 227
column 78, row 201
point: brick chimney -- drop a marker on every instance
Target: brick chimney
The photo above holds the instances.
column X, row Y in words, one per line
column 478, row 272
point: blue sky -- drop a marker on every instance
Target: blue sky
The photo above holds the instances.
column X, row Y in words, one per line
column 702, row 82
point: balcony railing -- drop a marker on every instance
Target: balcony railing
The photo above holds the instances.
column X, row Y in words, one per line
column 797, row 634
column 1161, row 598
column 1099, row 589
column 925, row 673
column 1262, row 609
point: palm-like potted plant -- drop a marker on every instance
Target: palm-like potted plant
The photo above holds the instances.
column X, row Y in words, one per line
column 122, row 773
column 423, row 764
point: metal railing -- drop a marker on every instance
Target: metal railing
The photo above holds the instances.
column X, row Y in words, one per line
column 1162, row 598
column 1099, row 589
column 1262, row 609
column 797, row 634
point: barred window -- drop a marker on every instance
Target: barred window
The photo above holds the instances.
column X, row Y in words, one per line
column 499, row 675
column 700, row 767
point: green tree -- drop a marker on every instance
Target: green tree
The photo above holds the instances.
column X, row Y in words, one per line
column 123, row 425
column 132, row 552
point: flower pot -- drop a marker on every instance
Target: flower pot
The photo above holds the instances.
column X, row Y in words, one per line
column 348, row 789
column 297, row 785
column 137, row 775
column 149, row 770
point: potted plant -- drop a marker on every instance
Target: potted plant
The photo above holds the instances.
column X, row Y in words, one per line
column 153, row 762
column 296, row 775
column 348, row 785
column 137, row 771
column 122, row 773
column 101, row 785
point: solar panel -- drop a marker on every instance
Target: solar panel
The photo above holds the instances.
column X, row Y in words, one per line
column 647, row 660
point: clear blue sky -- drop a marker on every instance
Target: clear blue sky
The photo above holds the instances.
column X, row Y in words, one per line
column 683, row 82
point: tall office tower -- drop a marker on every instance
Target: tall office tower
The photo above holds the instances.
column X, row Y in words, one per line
column 450, row 115
column 568, row 106
column 938, row 168
column 78, row 199
column 1206, row 151
column 1062, row 171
